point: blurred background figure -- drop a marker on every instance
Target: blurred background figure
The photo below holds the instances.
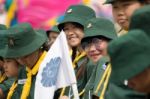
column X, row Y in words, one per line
column 46, row 13
column 52, row 35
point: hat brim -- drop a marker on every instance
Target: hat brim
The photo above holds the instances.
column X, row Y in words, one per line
column 71, row 19
column 96, row 33
column 37, row 42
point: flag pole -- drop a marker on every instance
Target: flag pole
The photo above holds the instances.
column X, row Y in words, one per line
column 75, row 91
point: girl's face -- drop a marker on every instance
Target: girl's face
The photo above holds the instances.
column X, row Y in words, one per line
column 1, row 64
column 52, row 37
column 11, row 67
column 74, row 34
column 95, row 48
column 141, row 82
column 29, row 60
column 123, row 10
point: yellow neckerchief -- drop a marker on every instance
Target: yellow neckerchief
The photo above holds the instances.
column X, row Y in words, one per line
column 105, row 79
column 2, row 77
column 77, row 58
column 27, row 85
column 11, row 90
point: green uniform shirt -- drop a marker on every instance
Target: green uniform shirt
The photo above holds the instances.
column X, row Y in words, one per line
column 21, row 81
column 5, row 85
column 95, row 78
column 80, row 81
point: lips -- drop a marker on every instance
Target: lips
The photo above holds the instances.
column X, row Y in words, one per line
column 72, row 37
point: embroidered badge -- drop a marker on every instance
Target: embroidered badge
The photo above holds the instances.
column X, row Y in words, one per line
column 11, row 42
column 22, row 81
column 89, row 25
column 125, row 82
column 104, row 66
column 49, row 74
column 69, row 11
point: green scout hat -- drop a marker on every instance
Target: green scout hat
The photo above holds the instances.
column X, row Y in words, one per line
column 129, row 55
column 99, row 27
column 21, row 40
column 2, row 30
column 77, row 13
column 141, row 20
column 53, row 29
column 2, row 27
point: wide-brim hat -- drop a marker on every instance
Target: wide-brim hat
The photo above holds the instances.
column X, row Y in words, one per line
column 129, row 55
column 21, row 40
column 53, row 29
column 3, row 27
column 99, row 27
column 141, row 20
column 78, row 14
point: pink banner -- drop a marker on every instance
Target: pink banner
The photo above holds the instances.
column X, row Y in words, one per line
column 37, row 12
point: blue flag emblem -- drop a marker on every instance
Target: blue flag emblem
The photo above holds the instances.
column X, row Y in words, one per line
column 49, row 74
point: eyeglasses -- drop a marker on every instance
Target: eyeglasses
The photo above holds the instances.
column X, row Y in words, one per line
column 95, row 41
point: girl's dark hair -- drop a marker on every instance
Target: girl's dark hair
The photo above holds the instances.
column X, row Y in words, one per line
column 45, row 46
column 74, row 23
column 144, row 1
column 78, row 25
column 1, row 58
column 74, row 52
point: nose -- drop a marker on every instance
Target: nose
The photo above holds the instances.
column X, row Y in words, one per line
column 92, row 48
column 5, row 66
column 120, row 12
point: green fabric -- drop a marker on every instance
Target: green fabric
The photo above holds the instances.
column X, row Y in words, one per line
column 77, row 13
column 99, row 27
column 5, row 85
column 129, row 53
column 2, row 27
column 141, row 20
column 53, row 29
column 18, row 91
column 80, row 81
column 95, row 78
column 21, row 40
column 122, row 92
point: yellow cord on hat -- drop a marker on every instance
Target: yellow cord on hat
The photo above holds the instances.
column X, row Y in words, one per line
column 27, row 85
column 3, row 77
column 105, row 79
column 11, row 90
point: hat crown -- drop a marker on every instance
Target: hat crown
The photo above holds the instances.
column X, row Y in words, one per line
column 80, row 11
column 78, row 14
column 100, row 27
column 23, row 34
column 129, row 53
column 20, row 40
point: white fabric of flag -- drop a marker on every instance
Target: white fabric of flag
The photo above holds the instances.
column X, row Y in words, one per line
column 56, row 70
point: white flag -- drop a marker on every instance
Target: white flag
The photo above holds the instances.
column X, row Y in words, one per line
column 56, row 70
